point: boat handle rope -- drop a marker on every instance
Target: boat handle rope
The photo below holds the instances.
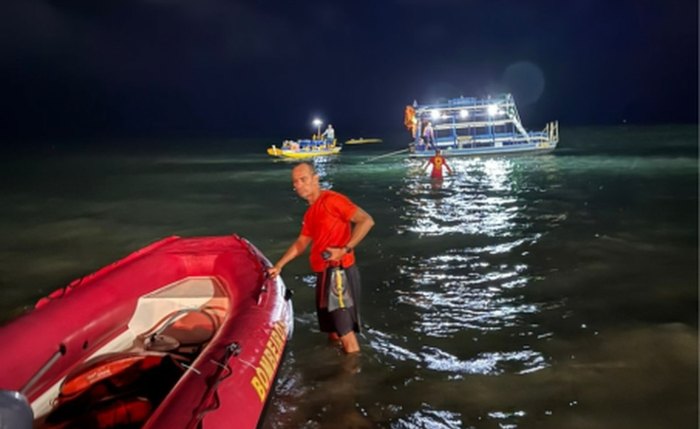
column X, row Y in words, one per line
column 233, row 349
column 264, row 265
column 257, row 257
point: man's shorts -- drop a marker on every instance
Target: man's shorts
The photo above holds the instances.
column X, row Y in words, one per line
column 343, row 320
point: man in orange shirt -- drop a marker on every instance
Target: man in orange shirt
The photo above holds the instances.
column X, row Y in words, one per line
column 334, row 226
column 437, row 161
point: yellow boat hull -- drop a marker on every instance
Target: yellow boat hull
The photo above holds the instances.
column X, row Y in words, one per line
column 302, row 154
column 363, row 141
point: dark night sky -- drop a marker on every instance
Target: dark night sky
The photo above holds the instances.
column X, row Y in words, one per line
column 221, row 68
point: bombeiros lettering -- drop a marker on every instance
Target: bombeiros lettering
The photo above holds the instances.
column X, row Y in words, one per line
column 269, row 360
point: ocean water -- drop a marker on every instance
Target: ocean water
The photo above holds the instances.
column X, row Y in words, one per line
column 549, row 291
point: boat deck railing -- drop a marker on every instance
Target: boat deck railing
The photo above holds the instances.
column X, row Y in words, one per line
column 456, row 104
column 552, row 131
column 533, row 135
column 472, row 124
column 549, row 135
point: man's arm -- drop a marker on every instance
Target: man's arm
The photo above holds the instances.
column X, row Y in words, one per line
column 449, row 170
column 362, row 223
column 296, row 249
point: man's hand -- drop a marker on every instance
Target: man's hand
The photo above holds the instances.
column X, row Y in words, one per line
column 274, row 271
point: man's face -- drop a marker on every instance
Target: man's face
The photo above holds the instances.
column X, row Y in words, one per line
column 305, row 182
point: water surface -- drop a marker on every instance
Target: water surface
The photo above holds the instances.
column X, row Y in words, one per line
column 553, row 291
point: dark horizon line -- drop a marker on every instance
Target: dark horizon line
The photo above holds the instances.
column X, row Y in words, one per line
column 186, row 135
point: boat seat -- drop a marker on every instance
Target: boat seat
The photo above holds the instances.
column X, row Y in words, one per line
column 191, row 292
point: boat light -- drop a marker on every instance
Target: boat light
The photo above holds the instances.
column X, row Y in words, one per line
column 435, row 114
column 493, row 110
column 317, row 123
column 463, row 113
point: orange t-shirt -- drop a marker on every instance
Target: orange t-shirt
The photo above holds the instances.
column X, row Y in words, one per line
column 437, row 162
column 327, row 222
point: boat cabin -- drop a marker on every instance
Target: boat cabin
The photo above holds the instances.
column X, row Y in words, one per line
column 470, row 126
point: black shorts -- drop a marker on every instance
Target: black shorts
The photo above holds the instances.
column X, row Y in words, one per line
column 344, row 320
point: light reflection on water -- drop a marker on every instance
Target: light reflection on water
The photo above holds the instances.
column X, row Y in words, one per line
column 477, row 199
column 465, row 285
column 430, row 418
column 467, row 316
column 485, row 363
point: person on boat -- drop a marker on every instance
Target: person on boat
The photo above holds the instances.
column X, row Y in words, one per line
column 328, row 135
column 409, row 120
column 429, row 136
column 438, row 162
column 334, row 226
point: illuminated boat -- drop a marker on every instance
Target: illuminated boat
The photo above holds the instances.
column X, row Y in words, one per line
column 321, row 144
column 475, row 126
column 302, row 149
column 184, row 333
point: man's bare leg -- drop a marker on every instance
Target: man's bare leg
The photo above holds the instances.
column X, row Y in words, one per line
column 349, row 342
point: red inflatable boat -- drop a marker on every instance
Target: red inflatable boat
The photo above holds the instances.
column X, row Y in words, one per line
column 185, row 333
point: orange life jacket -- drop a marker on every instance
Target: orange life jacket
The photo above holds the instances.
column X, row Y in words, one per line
column 112, row 365
column 121, row 412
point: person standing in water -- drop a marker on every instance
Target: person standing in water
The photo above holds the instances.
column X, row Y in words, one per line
column 438, row 162
column 334, row 226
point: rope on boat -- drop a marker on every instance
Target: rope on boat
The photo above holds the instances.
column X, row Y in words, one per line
column 211, row 401
column 385, row 155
